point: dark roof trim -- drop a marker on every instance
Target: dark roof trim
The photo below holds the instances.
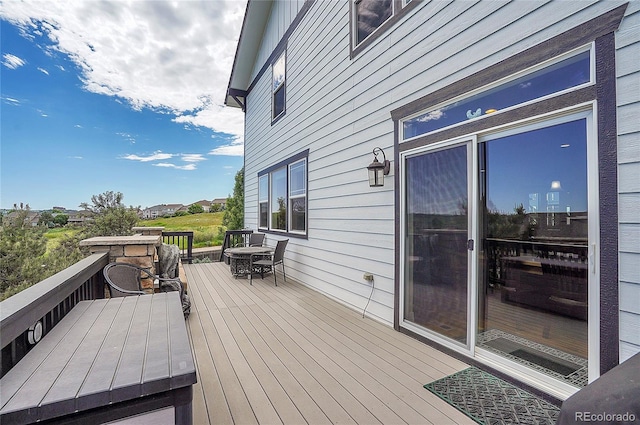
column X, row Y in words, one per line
column 239, row 96
column 230, row 100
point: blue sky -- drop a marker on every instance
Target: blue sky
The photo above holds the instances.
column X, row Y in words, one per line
column 122, row 96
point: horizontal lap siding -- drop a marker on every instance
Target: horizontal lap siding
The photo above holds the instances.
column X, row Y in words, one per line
column 628, row 101
column 339, row 108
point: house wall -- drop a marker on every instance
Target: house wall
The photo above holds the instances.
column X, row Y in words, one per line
column 628, row 103
column 339, row 108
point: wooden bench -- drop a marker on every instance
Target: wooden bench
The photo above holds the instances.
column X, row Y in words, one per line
column 107, row 360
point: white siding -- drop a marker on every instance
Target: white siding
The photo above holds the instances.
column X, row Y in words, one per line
column 339, row 108
column 628, row 100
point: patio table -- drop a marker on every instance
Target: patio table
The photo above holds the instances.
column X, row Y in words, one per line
column 240, row 258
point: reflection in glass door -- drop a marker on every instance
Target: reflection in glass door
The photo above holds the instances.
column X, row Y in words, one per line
column 533, row 280
column 437, row 223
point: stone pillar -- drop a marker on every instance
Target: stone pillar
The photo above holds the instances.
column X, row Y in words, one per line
column 148, row 231
column 138, row 249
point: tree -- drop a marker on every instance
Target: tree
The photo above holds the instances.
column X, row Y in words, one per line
column 46, row 219
column 111, row 218
column 195, row 209
column 61, row 219
column 233, row 217
column 22, row 252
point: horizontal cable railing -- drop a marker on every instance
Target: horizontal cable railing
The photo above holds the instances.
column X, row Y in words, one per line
column 29, row 315
column 184, row 240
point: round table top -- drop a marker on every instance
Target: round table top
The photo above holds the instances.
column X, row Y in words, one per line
column 248, row 250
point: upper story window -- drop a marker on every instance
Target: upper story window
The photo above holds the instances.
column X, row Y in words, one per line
column 370, row 19
column 369, row 15
column 564, row 73
column 282, row 196
column 278, row 86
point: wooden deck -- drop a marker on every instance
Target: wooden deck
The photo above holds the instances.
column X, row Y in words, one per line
column 287, row 354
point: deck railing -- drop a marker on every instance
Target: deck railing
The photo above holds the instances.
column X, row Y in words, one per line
column 32, row 313
column 184, row 240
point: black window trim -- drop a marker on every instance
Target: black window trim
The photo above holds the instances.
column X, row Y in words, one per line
column 267, row 171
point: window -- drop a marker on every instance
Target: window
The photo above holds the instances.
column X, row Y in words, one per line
column 298, row 196
column 282, row 196
column 370, row 14
column 371, row 19
column 278, row 199
column 263, row 201
column 278, row 87
column 567, row 73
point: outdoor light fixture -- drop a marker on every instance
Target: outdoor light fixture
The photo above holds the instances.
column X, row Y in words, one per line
column 377, row 170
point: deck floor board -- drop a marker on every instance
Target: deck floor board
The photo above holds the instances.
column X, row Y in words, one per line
column 288, row 354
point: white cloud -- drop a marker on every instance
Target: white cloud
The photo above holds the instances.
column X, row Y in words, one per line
column 11, row 101
column 12, row 61
column 156, row 156
column 174, row 57
column 192, row 157
column 44, row 71
column 234, row 148
column 188, row 167
column 433, row 115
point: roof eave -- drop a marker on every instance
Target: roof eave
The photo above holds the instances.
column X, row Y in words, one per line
column 253, row 25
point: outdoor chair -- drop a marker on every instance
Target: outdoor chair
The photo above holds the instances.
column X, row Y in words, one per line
column 255, row 239
column 125, row 279
column 269, row 260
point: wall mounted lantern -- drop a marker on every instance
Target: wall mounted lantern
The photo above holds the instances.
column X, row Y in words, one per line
column 377, row 170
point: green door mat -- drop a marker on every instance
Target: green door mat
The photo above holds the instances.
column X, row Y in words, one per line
column 490, row 400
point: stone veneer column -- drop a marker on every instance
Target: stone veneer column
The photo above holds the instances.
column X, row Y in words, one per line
column 148, row 231
column 138, row 249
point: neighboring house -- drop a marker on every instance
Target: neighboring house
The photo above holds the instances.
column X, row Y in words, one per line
column 78, row 218
column 160, row 210
column 204, row 204
column 222, row 202
column 507, row 231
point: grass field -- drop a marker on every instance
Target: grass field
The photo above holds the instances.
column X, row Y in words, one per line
column 207, row 227
column 55, row 235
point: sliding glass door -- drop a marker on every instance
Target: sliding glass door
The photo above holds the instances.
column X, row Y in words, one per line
column 496, row 237
column 437, row 259
column 533, row 283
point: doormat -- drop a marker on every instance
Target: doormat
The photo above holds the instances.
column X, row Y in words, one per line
column 490, row 400
column 563, row 366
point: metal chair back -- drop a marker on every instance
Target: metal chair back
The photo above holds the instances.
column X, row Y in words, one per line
column 123, row 279
column 256, row 239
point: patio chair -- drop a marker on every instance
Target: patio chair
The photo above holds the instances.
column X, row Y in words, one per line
column 269, row 260
column 125, row 279
column 255, row 239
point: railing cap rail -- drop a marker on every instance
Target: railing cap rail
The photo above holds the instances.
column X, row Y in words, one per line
column 21, row 310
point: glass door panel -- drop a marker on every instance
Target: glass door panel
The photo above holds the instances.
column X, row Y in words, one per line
column 533, row 280
column 436, row 260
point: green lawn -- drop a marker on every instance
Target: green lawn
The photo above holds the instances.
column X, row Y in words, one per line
column 207, row 227
column 54, row 235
